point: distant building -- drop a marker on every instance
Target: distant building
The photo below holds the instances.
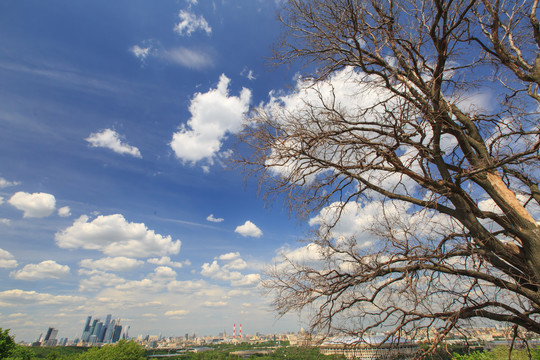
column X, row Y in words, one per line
column 50, row 337
column 116, row 333
column 370, row 348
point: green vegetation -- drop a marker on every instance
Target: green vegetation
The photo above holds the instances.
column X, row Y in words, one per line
column 123, row 350
column 225, row 352
column 500, row 353
column 129, row 350
column 7, row 344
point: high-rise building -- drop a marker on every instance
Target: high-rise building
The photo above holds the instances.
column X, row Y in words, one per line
column 103, row 331
column 48, row 334
column 97, row 330
column 50, row 337
column 109, row 332
column 86, row 329
column 117, row 332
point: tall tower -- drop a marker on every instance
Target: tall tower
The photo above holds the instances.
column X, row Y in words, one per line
column 234, row 331
column 240, row 331
column 86, row 330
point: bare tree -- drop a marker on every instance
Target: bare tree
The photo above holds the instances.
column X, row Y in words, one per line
column 427, row 112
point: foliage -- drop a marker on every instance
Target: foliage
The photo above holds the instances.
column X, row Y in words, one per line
column 412, row 142
column 123, row 350
column 7, row 344
column 22, row 353
column 61, row 351
column 501, row 353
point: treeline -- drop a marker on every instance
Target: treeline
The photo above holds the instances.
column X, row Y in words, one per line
column 129, row 350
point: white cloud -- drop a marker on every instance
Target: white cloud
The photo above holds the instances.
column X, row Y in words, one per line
column 111, row 140
column 187, row 286
column 7, row 261
column 166, row 261
column 35, row 205
column 236, row 264
column 248, row 73
column 1, row 200
column 119, row 263
column 214, row 114
column 98, row 279
column 114, row 236
column 5, row 183
column 140, row 52
column 226, row 272
column 248, row 229
column 153, row 283
column 192, row 59
column 176, row 312
column 247, row 280
column 211, row 218
column 214, row 304
column 47, row 269
column 5, row 221
column 64, row 211
column 163, row 274
column 229, row 256
column 189, row 23
column 16, row 297
column 351, row 219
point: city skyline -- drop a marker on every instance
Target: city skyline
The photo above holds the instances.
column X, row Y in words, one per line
column 118, row 122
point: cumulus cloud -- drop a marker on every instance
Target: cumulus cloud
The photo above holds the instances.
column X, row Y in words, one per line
column 211, row 218
column 350, row 220
column 248, row 229
column 154, row 282
column 5, row 183
column 114, row 236
column 214, row 304
column 7, row 261
column 176, row 312
column 189, row 23
column 64, row 211
column 119, row 263
column 5, row 221
column 228, row 271
column 229, row 256
column 111, row 140
column 36, row 205
column 214, row 115
column 48, row 269
column 188, row 286
column 166, row 261
column 16, row 297
column 97, row 280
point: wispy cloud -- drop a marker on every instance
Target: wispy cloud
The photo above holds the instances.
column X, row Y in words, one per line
column 190, row 22
column 190, row 58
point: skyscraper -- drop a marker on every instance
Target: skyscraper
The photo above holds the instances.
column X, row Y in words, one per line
column 50, row 337
column 86, row 329
column 117, row 332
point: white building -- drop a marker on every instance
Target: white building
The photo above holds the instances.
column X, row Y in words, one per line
column 370, row 348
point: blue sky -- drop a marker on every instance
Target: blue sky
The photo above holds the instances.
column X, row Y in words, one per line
column 116, row 121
